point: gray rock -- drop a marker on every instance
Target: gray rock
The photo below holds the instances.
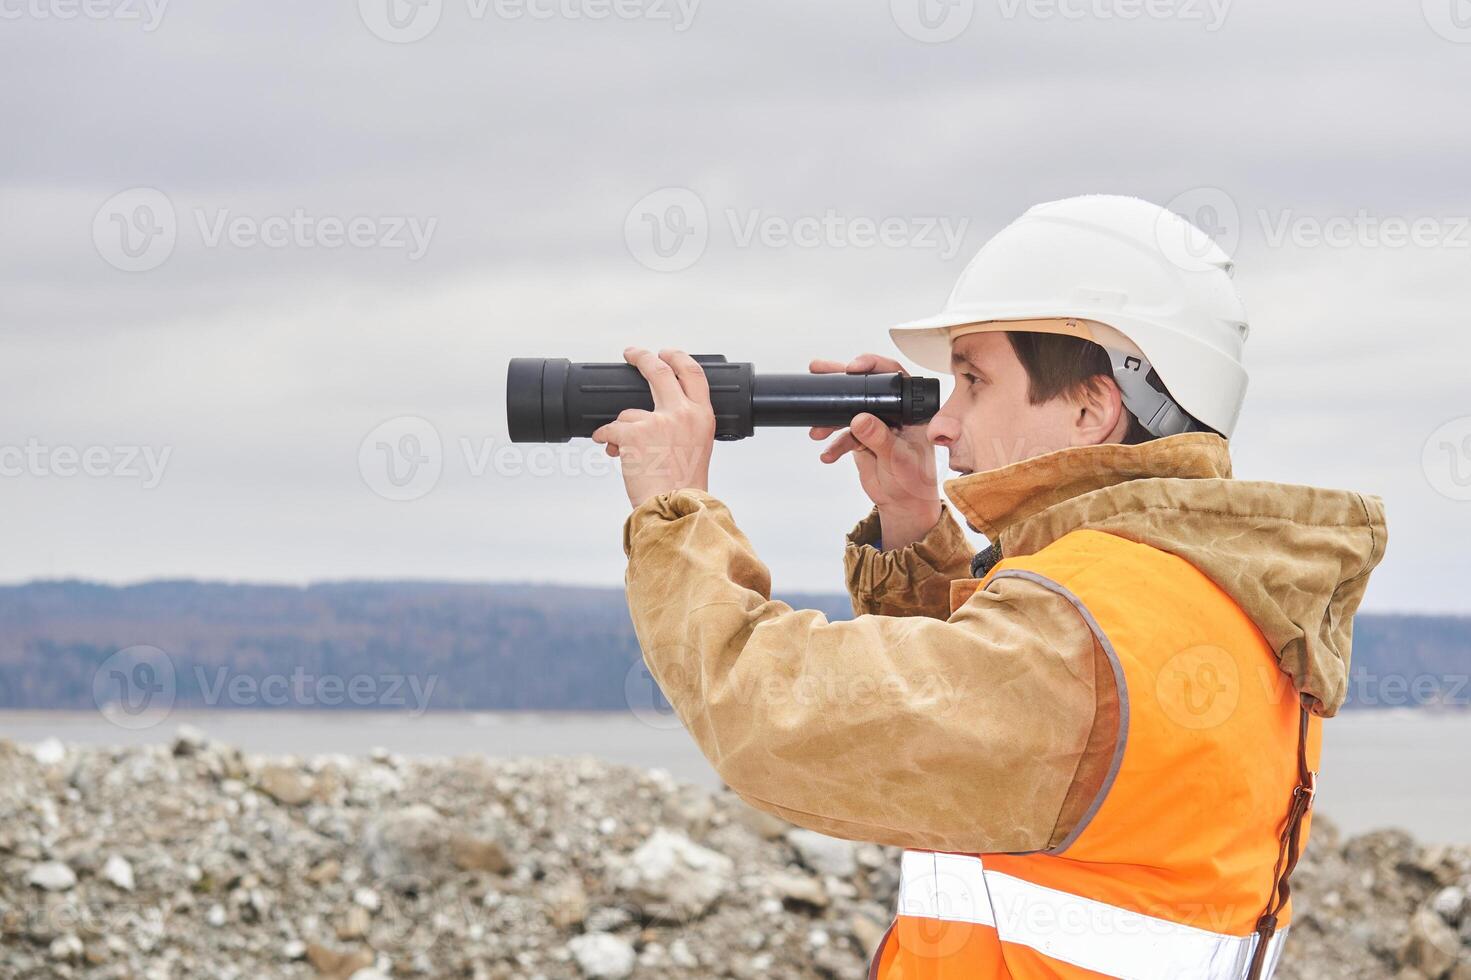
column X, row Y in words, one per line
column 286, row 785
column 1432, row 946
column 473, row 852
column 868, row 933
column 671, row 876
column 760, row 822
column 189, row 740
column 823, row 854
column 66, row 948
column 118, row 872
column 566, row 902
column 798, row 888
column 838, row 963
column 51, row 876
column 1450, row 903
column 679, row 953
column 49, row 752
column 608, row 919
column 602, row 955
column 407, row 841
column 354, row 923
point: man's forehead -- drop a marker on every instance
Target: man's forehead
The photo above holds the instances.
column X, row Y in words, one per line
column 975, row 346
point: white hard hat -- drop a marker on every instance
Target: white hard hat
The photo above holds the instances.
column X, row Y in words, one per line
column 1141, row 281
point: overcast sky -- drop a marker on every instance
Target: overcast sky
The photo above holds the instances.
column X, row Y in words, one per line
column 243, row 245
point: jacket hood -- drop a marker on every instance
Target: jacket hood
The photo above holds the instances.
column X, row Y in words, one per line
column 1296, row 559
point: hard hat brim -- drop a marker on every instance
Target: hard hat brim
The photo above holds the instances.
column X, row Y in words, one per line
column 1204, row 381
column 927, row 342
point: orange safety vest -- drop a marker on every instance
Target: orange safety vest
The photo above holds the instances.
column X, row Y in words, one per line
column 1170, row 870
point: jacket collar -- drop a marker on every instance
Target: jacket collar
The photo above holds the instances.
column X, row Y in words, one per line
column 992, row 500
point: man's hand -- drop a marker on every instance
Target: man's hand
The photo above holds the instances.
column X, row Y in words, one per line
column 895, row 466
column 669, row 448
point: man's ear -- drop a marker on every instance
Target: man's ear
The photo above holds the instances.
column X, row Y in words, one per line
column 1099, row 415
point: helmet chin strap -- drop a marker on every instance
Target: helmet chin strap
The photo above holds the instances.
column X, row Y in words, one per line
column 1144, row 394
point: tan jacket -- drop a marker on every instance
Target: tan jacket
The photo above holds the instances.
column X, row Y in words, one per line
column 990, row 727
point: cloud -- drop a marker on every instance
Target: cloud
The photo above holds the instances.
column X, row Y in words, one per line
column 528, row 141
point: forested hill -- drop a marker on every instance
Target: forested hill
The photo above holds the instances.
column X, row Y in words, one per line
column 460, row 646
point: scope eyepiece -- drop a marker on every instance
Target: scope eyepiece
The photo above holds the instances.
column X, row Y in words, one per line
column 552, row 399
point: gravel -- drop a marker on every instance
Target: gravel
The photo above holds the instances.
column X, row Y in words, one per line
column 195, row 860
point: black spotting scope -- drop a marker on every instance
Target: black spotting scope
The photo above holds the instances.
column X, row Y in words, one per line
column 552, row 399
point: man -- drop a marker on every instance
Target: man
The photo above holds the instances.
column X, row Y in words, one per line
column 1097, row 739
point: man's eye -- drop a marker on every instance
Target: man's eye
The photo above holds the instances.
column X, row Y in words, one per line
column 970, row 379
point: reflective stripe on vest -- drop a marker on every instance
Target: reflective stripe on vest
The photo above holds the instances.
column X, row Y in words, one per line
column 1090, row 934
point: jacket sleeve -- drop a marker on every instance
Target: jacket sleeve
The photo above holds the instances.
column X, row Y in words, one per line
column 962, row 735
column 909, row 581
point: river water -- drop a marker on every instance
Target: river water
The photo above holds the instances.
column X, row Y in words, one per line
column 1380, row 768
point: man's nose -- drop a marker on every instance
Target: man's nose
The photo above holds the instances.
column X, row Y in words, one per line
column 943, row 430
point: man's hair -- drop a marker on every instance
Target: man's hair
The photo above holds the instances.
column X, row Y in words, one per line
column 1057, row 364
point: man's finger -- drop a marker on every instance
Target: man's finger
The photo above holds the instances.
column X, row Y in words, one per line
column 840, row 447
column 663, row 385
column 874, row 364
column 869, row 363
column 821, row 432
column 610, row 432
column 690, row 375
column 876, row 437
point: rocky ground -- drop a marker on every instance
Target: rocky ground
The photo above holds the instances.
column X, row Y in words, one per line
column 195, row 861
